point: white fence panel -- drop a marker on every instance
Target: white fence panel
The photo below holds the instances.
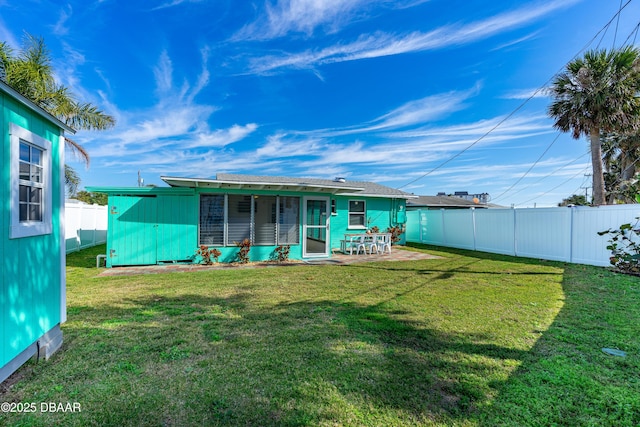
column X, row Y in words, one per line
column 495, row 231
column 85, row 226
column 458, row 228
column 588, row 247
column 560, row 234
column 544, row 233
column 431, row 227
column 412, row 232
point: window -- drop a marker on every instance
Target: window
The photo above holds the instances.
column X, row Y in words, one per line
column 289, row 221
column 238, row 219
column 265, row 220
column 212, row 219
column 30, row 183
column 357, row 214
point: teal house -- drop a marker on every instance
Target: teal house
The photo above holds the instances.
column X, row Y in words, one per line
column 32, row 246
column 154, row 225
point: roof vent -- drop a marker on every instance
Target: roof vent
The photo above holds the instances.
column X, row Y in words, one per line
column 339, row 179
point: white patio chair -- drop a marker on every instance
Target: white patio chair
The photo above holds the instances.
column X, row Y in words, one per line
column 350, row 243
column 383, row 241
column 361, row 243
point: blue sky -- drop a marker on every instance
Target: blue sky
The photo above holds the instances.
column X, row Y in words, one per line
column 395, row 92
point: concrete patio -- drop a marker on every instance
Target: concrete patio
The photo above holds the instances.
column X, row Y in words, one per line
column 337, row 258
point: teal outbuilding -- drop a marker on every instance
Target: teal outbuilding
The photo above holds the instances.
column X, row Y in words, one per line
column 32, row 246
column 310, row 216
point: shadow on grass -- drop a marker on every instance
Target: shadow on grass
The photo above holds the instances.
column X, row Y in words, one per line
column 481, row 255
column 566, row 379
column 290, row 364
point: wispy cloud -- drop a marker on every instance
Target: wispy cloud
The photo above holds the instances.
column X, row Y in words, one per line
column 176, row 124
column 301, row 16
column 417, row 112
column 526, row 94
column 384, row 44
column 173, row 3
column 60, row 28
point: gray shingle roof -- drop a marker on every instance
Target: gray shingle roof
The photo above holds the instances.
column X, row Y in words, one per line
column 443, row 202
column 368, row 188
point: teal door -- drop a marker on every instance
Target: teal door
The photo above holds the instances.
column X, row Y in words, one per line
column 133, row 225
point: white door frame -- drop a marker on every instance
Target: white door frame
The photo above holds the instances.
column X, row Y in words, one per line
column 305, row 227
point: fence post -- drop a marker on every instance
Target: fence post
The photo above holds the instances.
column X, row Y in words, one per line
column 473, row 223
column 515, row 232
column 444, row 232
column 571, row 234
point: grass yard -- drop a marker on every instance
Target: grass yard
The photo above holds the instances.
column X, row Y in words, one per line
column 469, row 339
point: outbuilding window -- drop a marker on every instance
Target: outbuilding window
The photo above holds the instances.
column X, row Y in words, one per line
column 30, row 183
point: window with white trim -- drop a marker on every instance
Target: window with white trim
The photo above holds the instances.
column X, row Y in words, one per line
column 30, row 183
column 357, row 214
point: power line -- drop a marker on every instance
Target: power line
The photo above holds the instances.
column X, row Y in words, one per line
column 545, row 177
column 557, row 186
column 532, row 166
column 519, row 107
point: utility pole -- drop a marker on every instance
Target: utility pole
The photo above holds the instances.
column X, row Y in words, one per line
column 586, row 188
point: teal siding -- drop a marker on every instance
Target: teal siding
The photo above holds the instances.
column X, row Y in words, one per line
column 380, row 212
column 31, row 267
column 134, row 240
column 177, row 227
column 161, row 227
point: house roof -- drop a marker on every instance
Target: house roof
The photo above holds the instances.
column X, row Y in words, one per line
column 4, row 87
column 443, row 202
column 261, row 182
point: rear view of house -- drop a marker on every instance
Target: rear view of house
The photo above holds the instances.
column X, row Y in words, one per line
column 32, row 249
column 151, row 225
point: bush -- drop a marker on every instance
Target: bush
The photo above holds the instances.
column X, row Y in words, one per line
column 625, row 247
column 396, row 232
column 243, row 253
column 206, row 254
column 281, row 253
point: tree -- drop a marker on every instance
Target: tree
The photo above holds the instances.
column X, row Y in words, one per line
column 29, row 72
column 576, row 200
column 620, row 153
column 598, row 93
column 92, row 198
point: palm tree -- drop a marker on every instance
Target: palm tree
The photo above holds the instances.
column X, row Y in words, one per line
column 30, row 73
column 598, row 93
column 620, row 156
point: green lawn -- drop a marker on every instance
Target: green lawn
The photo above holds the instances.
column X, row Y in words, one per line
column 468, row 339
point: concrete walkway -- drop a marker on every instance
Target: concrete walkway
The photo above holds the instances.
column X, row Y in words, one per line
column 337, row 258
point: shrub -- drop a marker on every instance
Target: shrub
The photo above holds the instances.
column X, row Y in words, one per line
column 243, row 253
column 396, row 232
column 282, row 253
column 207, row 254
column 624, row 245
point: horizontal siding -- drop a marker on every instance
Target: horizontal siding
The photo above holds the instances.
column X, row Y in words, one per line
column 30, row 287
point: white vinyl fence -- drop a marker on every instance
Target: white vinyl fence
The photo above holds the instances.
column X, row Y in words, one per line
column 85, row 225
column 567, row 234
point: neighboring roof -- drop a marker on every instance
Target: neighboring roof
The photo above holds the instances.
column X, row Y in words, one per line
column 443, row 202
column 261, row 182
column 33, row 106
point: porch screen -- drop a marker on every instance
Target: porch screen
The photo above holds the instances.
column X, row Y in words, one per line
column 211, row 219
column 239, row 218
column 289, row 221
column 265, row 220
